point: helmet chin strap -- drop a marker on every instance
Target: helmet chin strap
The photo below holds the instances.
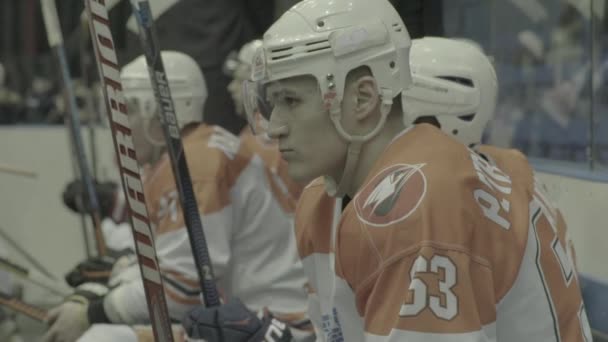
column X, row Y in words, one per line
column 336, row 189
column 340, row 188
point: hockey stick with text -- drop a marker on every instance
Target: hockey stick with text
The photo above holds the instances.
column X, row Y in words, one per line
column 22, row 307
column 175, row 149
column 34, row 277
column 53, row 32
column 109, row 75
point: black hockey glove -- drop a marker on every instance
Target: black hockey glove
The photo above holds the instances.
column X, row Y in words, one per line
column 233, row 322
column 95, row 270
column 75, row 197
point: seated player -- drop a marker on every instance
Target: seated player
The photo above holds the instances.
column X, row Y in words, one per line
column 406, row 233
column 285, row 189
column 250, row 237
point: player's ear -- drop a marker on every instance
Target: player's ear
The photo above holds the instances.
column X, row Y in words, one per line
column 367, row 97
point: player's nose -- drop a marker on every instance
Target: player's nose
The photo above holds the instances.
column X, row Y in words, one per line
column 277, row 127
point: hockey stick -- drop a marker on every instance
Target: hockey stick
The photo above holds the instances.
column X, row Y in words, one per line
column 93, row 115
column 175, row 149
column 22, row 307
column 93, row 118
column 33, row 277
column 109, row 75
column 25, row 254
column 17, row 171
column 53, row 32
column 81, row 215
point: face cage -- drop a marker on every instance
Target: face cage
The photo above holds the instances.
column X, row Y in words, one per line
column 142, row 106
column 257, row 108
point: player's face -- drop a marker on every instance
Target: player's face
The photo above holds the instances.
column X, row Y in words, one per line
column 240, row 74
column 306, row 136
column 139, row 124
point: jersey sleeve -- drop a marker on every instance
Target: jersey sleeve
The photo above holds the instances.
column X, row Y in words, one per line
column 181, row 284
column 433, row 293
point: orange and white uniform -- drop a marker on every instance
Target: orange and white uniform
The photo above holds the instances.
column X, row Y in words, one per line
column 440, row 244
column 249, row 234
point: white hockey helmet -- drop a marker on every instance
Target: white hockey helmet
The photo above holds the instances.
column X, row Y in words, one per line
column 453, row 81
column 248, row 50
column 327, row 39
column 243, row 57
column 186, row 81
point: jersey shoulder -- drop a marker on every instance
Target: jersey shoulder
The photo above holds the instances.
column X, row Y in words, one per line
column 215, row 153
column 429, row 191
column 314, row 217
column 215, row 162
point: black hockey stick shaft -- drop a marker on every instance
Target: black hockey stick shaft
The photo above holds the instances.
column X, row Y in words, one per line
column 22, row 307
column 85, row 63
column 81, row 215
column 109, row 75
column 53, row 32
column 175, row 149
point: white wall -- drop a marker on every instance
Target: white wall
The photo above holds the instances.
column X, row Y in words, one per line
column 31, row 210
column 584, row 205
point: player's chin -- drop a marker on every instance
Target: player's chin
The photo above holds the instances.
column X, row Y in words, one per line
column 300, row 173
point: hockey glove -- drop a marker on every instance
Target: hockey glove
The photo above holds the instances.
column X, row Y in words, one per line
column 97, row 269
column 233, row 322
column 75, row 197
column 72, row 318
column 92, row 270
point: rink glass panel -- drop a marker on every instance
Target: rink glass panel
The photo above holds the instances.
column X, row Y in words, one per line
column 551, row 59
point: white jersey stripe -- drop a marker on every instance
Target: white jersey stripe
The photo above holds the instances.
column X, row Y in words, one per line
column 486, row 334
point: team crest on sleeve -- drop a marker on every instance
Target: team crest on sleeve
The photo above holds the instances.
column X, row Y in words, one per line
column 392, row 195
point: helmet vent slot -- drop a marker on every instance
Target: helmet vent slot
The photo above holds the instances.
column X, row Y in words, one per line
column 310, row 47
column 282, row 49
column 318, row 45
column 318, row 49
column 317, row 42
column 276, row 58
column 281, row 53
column 468, row 117
column 460, row 80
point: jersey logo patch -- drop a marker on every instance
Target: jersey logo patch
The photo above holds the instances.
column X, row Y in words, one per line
column 392, row 195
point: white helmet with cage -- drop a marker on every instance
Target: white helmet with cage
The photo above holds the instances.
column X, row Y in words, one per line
column 186, row 81
column 453, row 81
column 238, row 66
column 246, row 52
column 241, row 58
column 328, row 39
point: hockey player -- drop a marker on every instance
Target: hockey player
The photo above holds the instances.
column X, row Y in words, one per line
column 410, row 235
column 250, row 238
column 286, row 191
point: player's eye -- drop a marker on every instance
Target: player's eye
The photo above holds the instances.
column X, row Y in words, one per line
column 290, row 101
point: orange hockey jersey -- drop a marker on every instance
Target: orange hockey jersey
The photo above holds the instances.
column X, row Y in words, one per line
column 249, row 234
column 441, row 243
